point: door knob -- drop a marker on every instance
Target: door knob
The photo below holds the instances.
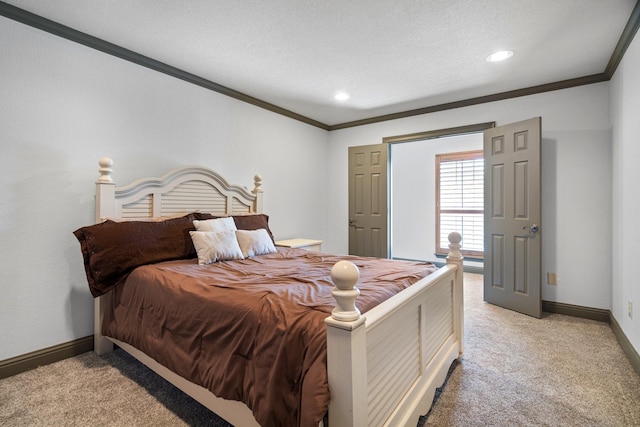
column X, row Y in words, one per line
column 352, row 222
column 534, row 228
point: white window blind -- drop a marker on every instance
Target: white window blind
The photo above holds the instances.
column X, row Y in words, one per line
column 460, row 201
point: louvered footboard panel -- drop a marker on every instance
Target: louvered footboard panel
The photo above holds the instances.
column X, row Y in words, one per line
column 393, row 362
column 400, row 349
column 438, row 318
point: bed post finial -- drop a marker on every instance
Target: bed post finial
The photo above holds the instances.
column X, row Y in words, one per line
column 105, row 169
column 257, row 190
column 105, row 191
column 454, row 245
column 345, row 275
column 257, row 184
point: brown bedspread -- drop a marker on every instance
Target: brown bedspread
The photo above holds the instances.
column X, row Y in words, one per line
column 250, row 330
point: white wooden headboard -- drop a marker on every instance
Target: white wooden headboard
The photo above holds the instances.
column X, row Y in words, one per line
column 182, row 190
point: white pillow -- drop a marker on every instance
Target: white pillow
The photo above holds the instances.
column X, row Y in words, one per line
column 211, row 246
column 255, row 242
column 217, row 225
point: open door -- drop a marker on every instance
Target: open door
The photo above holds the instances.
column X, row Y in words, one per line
column 512, row 217
column 368, row 218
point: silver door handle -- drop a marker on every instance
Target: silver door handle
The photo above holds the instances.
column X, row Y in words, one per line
column 352, row 222
column 534, row 228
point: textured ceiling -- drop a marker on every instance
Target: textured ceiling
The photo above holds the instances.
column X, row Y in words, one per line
column 390, row 56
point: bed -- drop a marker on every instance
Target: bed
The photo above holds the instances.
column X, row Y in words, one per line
column 381, row 362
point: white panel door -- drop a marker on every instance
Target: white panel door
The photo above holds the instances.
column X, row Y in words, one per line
column 512, row 217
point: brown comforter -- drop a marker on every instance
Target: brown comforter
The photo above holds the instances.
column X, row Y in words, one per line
column 250, row 330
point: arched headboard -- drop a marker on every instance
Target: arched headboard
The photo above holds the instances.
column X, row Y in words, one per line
column 182, row 190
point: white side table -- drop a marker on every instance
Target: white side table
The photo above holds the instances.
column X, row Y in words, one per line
column 306, row 244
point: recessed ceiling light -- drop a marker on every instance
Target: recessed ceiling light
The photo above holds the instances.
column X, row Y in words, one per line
column 341, row 96
column 500, row 56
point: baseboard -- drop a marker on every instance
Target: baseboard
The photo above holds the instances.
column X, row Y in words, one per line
column 598, row 314
column 602, row 316
column 477, row 269
column 628, row 349
column 48, row 355
column 473, row 269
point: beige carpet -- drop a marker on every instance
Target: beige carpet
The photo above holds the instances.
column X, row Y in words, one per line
column 516, row 371
column 521, row 371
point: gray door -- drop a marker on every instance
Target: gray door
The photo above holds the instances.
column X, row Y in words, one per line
column 368, row 219
column 512, row 217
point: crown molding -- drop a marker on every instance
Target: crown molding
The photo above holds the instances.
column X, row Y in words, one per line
column 625, row 40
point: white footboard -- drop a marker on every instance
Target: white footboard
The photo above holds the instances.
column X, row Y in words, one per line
column 384, row 367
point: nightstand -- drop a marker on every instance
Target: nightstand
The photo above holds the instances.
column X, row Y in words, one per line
column 306, row 244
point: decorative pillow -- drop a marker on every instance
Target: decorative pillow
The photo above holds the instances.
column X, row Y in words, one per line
column 255, row 242
column 212, row 246
column 253, row 222
column 216, row 225
column 111, row 250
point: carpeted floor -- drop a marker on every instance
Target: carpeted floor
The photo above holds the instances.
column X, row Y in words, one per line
column 516, row 371
column 521, row 371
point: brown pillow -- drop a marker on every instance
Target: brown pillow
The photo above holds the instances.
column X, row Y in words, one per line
column 111, row 250
column 253, row 222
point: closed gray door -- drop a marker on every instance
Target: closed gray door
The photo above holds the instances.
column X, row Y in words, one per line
column 368, row 219
column 512, row 217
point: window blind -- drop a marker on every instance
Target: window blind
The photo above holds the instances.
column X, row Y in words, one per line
column 460, row 201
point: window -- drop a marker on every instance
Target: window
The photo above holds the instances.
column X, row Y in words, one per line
column 460, row 201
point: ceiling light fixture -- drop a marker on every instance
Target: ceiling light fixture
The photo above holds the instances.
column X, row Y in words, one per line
column 500, row 56
column 341, row 96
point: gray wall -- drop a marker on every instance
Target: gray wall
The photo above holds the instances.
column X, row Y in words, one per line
column 62, row 107
column 625, row 113
column 576, row 181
